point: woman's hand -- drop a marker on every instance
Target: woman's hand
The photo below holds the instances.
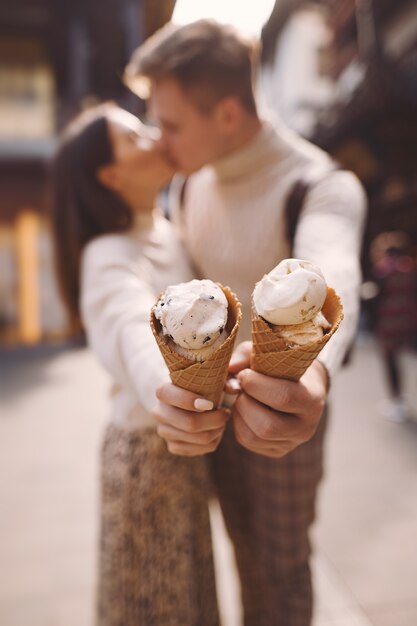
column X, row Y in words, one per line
column 187, row 422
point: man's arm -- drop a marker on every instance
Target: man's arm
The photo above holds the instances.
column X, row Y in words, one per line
column 329, row 234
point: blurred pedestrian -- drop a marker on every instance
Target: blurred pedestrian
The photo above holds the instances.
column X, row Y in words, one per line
column 232, row 215
column 115, row 254
column 395, row 272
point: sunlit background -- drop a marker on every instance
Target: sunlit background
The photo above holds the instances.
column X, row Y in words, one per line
column 249, row 17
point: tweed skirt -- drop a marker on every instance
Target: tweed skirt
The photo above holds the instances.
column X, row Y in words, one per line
column 156, row 563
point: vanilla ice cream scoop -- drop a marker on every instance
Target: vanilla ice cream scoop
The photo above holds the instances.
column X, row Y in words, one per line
column 292, row 293
column 301, row 334
column 193, row 314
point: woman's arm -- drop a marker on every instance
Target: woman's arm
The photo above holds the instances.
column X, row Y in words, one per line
column 116, row 298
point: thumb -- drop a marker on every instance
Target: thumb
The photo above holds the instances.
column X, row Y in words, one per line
column 241, row 357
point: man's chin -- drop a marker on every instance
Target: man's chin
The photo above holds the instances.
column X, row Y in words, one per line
column 184, row 168
column 187, row 170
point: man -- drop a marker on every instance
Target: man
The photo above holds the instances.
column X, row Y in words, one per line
column 267, row 462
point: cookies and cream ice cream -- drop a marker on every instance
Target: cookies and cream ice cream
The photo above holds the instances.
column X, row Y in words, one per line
column 195, row 325
column 193, row 318
column 290, row 299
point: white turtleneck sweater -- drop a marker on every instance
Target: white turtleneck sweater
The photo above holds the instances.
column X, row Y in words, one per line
column 232, row 223
column 121, row 278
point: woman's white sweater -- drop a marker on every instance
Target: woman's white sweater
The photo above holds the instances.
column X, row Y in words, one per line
column 121, row 277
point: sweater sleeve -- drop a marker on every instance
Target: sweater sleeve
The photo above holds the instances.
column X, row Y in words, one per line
column 116, row 299
column 329, row 234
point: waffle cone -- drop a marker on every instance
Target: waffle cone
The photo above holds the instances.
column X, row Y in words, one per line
column 271, row 356
column 207, row 378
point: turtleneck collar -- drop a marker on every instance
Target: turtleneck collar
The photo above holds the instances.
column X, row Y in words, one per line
column 257, row 154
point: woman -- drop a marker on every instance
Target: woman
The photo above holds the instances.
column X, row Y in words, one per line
column 115, row 254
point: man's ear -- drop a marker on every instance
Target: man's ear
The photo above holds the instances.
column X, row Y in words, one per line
column 229, row 114
column 107, row 175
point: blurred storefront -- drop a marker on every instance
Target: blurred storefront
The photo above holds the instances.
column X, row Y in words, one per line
column 360, row 101
column 56, row 58
column 372, row 127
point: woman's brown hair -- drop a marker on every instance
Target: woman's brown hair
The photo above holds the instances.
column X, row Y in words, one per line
column 82, row 208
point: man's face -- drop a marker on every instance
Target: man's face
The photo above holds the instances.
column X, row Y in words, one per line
column 190, row 138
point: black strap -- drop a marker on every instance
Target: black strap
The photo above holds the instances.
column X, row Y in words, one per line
column 293, row 207
column 296, row 197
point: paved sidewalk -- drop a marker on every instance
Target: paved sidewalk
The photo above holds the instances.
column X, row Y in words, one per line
column 53, row 410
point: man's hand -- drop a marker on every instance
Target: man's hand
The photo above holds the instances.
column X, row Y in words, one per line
column 272, row 416
column 187, row 422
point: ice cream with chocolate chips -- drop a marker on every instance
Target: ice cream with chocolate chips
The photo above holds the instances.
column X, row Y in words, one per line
column 193, row 318
column 195, row 325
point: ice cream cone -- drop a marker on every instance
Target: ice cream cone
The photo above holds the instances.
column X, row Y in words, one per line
column 207, row 378
column 271, row 356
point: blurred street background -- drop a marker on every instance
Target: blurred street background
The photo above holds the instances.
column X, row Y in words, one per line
column 343, row 73
column 55, row 411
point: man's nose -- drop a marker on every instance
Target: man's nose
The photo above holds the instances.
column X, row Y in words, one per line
column 155, row 133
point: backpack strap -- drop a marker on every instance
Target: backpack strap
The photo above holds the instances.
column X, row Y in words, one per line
column 295, row 200
column 293, row 208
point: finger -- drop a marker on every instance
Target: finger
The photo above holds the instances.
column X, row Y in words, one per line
column 188, row 421
column 279, row 394
column 183, row 399
column 169, row 433
column 266, row 424
column 240, row 357
column 249, row 440
column 188, row 449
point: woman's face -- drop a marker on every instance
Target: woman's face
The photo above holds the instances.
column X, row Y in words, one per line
column 138, row 160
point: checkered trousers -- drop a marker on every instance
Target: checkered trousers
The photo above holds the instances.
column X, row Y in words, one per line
column 268, row 507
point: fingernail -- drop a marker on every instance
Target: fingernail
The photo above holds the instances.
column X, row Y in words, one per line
column 201, row 404
column 234, row 384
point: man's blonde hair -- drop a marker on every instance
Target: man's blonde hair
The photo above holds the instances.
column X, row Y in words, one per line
column 209, row 60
